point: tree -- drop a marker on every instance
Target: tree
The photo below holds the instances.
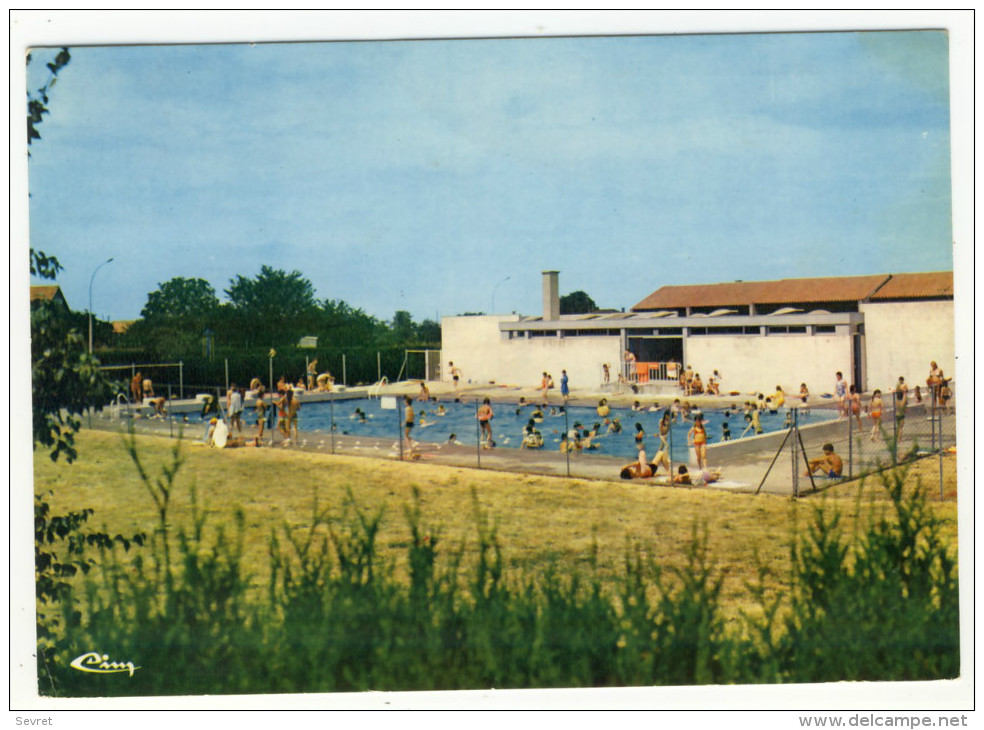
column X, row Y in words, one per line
column 273, row 294
column 341, row 324
column 429, row 332
column 577, row 302
column 403, row 329
column 274, row 307
column 65, row 379
column 42, row 265
column 181, row 298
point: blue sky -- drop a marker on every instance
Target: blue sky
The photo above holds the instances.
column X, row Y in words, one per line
column 419, row 175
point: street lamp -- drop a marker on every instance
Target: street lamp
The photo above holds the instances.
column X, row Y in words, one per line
column 90, row 300
column 493, row 293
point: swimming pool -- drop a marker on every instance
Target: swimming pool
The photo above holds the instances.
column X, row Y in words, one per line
column 510, row 418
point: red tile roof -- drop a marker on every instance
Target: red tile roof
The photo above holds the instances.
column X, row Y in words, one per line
column 812, row 291
column 933, row 284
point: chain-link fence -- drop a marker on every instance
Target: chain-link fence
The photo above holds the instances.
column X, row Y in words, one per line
column 793, row 451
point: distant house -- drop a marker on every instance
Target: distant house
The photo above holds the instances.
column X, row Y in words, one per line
column 757, row 334
column 51, row 293
column 121, row 326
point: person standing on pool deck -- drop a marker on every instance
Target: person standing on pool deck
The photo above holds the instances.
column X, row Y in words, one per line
column 840, row 390
column 697, row 437
column 485, row 416
column 408, row 419
column 312, row 373
column 565, row 390
column 234, row 405
column 901, row 401
column 261, row 407
column 455, row 375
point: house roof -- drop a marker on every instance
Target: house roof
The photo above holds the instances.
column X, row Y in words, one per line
column 121, row 326
column 44, row 292
column 813, row 290
column 48, row 293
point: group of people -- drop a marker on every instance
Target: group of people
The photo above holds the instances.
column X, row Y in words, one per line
column 285, row 400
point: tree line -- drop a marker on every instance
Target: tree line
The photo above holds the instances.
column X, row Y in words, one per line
column 274, row 308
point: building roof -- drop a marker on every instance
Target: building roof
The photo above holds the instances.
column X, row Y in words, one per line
column 122, row 325
column 934, row 284
column 813, row 290
column 48, row 293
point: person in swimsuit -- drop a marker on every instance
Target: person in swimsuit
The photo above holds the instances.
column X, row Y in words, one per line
column 485, row 416
column 901, row 401
column 875, row 413
column 934, row 382
column 408, row 420
column 697, row 437
column 854, row 404
column 840, row 390
column 565, row 390
column 830, row 463
column 664, row 431
column 312, row 373
column 261, row 407
column 455, row 375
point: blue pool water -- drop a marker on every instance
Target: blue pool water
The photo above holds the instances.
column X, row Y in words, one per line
column 509, row 419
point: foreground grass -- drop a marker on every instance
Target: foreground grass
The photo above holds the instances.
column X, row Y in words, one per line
column 542, row 522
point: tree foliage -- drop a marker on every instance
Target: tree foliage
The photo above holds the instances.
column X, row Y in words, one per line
column 179, row 298
column 577, row 302
column 37, row 101
column 66, row 380
column 273, row 294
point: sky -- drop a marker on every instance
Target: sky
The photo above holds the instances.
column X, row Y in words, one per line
column 442, row 176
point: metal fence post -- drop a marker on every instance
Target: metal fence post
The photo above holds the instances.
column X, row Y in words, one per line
column 794, row 426
column 669, row 441
column 895, row 431
column 478, row 432
column 379, row 366
column 399, row 428
column 170, row 418
column 331, row 406
column 181, row 379
column 941, row 453
column 850, row 441
column 567, row 432
column 227, row 373
column 344, row 381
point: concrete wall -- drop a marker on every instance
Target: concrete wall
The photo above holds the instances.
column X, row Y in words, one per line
column 757, row 364
column 902, row 339
column 476, row 346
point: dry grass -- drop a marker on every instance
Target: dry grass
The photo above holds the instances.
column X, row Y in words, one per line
column 540, row 519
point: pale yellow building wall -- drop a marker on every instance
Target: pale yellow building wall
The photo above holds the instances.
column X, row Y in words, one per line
column 758, row 364
column 476, row 346
column 902, row 339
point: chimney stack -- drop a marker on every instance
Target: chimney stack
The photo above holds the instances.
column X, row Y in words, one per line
column 551, row 296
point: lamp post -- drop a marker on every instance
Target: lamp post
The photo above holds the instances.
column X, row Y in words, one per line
column 493, row 293
column 90, row 300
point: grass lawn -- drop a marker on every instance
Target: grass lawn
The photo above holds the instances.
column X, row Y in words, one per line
column 540, row 519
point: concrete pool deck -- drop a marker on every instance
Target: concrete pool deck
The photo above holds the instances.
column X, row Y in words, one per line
column 745, row 464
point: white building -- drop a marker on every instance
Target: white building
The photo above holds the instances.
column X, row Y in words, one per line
column 873, row 329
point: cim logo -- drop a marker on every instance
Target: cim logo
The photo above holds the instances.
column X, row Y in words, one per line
column 99, row 664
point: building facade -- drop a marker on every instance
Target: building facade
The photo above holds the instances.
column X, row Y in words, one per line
column 758, row 335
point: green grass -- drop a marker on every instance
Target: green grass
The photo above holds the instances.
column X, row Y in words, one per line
column 305, row 572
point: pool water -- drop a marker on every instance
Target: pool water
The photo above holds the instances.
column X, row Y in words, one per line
column 509, row 420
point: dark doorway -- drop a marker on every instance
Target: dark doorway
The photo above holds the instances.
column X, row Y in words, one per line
column 656, row 349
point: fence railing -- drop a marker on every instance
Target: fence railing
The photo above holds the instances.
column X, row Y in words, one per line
column 572, row 444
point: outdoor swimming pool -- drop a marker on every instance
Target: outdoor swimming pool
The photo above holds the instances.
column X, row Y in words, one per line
column 507, row 424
